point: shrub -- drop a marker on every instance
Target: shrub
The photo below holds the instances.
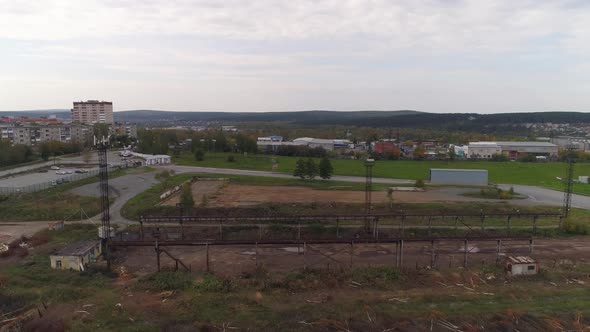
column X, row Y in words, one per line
column 575, row 227
column 199, row 155
column 167, row 280
column 420, row 183
column 231, row 158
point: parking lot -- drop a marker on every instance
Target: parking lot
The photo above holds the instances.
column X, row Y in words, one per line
column 42, row 177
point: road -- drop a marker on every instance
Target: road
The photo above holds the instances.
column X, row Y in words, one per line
column 123, row 189
column 196, row 169
column 128, row 186
column 544, row 196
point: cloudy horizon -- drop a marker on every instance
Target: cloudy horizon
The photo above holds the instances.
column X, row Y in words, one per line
column 278, row 55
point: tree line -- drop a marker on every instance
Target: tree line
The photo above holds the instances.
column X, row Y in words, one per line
column 308, row 169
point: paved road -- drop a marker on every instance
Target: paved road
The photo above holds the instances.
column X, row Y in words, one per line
column 196, row 169
column 544, row 196
column 124, row 188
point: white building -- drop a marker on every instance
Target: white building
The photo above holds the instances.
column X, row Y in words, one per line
column 483, row 150
column 149, row 159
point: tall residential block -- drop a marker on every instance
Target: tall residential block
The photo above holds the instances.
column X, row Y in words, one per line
column 92, row 111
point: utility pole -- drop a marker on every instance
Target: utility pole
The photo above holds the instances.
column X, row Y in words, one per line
column 369, row 163
column 569, row 179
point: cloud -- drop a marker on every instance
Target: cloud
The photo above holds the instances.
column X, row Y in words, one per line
column 435, row 26
column 307, row 53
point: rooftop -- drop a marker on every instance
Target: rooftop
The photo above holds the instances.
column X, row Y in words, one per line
column 77, row 248
column 521, row 260
column 511, row 143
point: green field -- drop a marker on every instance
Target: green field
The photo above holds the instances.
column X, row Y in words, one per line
column 538, row 174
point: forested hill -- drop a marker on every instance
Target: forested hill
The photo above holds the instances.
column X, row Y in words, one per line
column 468, row 120
column 323, row 117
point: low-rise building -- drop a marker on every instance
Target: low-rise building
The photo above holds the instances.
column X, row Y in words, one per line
column 485, row 150
column 76, row 256
column 128, row 129
column 522, row 265
column 155, row 159
column 472, row 177
column 33, row 134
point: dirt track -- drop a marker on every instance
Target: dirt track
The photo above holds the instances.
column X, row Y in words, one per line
column 241, row 195
column 235, row 260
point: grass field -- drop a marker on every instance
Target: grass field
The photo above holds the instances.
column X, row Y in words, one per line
column 538, row 174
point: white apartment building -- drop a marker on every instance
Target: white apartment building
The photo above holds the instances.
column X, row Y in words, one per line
column 92, row 111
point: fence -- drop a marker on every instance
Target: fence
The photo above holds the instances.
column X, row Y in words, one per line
column 14, row 190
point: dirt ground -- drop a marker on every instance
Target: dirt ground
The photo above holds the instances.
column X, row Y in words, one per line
column 236, row 260
column 244, row 195
column 12, row 231
column 199, row 188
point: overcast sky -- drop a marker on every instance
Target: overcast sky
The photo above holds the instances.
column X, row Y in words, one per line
column 278, row 55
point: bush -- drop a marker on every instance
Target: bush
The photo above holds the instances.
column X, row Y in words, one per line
column 199, row 155
column 211, row 283
column 167, row 280
column 420, row 183
column 231, row 158
column 575, row 227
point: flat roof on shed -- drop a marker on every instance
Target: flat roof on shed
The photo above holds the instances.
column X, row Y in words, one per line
column 77, row 248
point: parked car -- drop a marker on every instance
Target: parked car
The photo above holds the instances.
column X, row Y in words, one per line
column 54, row 168
column 78, row 171
column 69, row 171
column 53, row 183
column 59, row 181
column 43, row 171
column 65, row 180
column 60, row 172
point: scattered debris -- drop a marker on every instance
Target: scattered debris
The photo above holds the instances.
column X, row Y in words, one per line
column 88, row 305
column 404, row 300
column 322, row 298
column 166, row 294
column 82, row 312
column 355, row 284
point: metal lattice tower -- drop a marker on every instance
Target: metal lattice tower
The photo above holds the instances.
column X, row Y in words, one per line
column 568, row 180
column 103, row 148
column 369, row 163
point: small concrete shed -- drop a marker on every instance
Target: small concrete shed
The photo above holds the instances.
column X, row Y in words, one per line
column 521, row 265
column 472, row 177
column 76, row 256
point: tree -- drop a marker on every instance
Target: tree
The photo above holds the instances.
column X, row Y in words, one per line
column 452, row 154
column 186, row 197
column 390, row 197
column 325, row 168
column 300, row 168
column 199, row 155
column 87, row 156
column 163, row 177
column 311, row 169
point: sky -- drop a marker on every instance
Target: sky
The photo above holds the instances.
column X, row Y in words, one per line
column 481, row 56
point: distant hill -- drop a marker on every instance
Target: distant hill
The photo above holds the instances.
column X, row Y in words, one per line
column 59, row 113
column 299, row 117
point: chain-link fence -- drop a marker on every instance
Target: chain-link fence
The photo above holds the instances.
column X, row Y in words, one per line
column 12, row 190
